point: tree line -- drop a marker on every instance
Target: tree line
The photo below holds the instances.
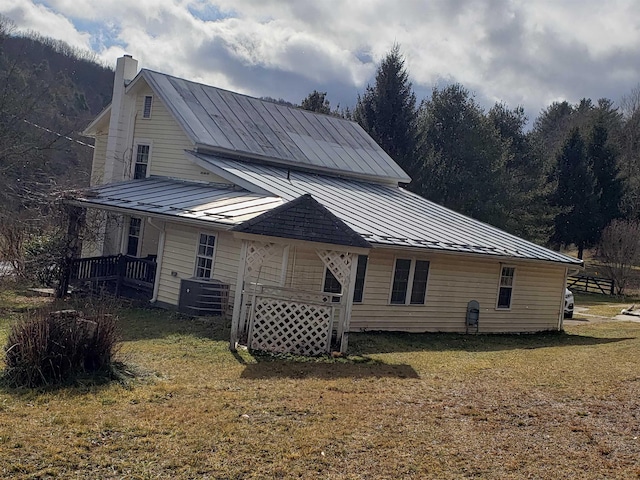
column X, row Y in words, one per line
column 558, row 183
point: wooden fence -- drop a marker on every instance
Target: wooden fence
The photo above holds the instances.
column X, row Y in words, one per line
column 588, row 284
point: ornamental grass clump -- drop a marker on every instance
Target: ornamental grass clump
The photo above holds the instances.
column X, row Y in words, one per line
column 52, row 348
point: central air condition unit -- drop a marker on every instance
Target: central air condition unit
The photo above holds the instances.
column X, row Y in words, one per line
column 203, row 297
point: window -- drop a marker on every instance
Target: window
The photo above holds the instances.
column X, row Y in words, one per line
column 204, row 256
column 409, row 286
column 133, row 242
column 360, row 274
column 506, row 287
column 142, row 161
column 146, row 109
column 332, row 285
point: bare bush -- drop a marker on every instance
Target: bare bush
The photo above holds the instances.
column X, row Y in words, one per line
column 56, row 347
column 619, row 251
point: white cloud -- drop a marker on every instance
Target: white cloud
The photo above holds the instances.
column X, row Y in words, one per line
column 522, row 52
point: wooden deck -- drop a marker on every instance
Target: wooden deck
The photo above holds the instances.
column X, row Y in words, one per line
column 118, row 272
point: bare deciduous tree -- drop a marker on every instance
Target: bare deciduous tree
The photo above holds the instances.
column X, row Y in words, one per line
column 619, row 251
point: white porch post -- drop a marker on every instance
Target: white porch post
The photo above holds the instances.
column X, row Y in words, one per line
column 237, row 302
column 344, row 342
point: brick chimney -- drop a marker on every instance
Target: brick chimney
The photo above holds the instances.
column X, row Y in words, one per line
column 120, row 121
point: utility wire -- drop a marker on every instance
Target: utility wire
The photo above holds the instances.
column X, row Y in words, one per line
column 58, row 134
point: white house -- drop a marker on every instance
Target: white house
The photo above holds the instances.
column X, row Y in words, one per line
column 305, row 211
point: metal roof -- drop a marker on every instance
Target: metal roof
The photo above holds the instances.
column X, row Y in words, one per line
column 384, row 214
column 188, row 200
column 261, row 131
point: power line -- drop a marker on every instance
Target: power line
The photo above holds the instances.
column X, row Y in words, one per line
column 58, row 134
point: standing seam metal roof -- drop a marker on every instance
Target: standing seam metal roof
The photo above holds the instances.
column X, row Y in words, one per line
column 243, row 126
column 182, row 199
column 387, row 215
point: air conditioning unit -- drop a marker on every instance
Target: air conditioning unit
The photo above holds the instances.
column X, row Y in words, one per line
column 203, row 297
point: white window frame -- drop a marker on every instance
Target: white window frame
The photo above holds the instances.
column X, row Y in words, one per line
column 125, row 246
column 144, row 105
column 500, row 286
column 412, row 271
column 213, row 255
column 134, row 156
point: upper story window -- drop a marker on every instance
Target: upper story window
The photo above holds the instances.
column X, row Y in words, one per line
column 146, row 108
column 409, row 285
column 133, row 240
column 204, row 255
column 142, row 161
column 505, row 288
column 332, row 285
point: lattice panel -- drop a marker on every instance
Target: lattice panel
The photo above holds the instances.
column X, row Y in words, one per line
column 257, row 253
column 339, row 263
column 283, row 326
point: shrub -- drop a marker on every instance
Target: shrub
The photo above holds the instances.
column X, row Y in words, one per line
column 53, row 348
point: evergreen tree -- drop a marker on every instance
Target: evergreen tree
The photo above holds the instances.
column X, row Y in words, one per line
column 529, row 214
column 387, row 112
column 463, row 156
column 577, row 221
column 603, row 159
column 316, row 102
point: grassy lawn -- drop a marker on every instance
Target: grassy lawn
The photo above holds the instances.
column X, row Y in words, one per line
column 401, row 406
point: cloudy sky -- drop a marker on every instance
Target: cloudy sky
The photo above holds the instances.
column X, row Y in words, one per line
column 526, row 53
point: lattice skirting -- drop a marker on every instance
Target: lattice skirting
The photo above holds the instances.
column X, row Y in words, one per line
column 284, row 326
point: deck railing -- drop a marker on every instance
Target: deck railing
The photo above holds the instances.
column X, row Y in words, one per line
column 139, row 273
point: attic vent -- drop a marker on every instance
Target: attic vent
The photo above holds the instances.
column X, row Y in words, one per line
column 146, row 111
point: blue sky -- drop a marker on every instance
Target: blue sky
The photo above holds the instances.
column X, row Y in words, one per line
column 527, row 53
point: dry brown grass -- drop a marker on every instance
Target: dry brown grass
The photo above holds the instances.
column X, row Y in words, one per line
column 402, row 406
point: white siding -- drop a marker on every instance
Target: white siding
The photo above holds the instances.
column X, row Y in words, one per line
column 454, row 281
column 99, row 156
column 179, row 256
column 168, row 142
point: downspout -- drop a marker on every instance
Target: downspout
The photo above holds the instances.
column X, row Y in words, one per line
column 160, row 255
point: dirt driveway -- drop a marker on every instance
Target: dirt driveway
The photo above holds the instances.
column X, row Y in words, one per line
column 598, row 312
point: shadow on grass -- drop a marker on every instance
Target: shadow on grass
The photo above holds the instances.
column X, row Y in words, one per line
column 324, row 368
column 149, row 324
column 393, row 342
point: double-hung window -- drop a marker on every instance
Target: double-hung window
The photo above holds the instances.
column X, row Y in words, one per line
column 204, row 256
column 142, row 161
column 505, row 289
column 332, row 285
column 133, row 240
column 409, row 285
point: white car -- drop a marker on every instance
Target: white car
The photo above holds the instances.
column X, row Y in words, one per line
column 568, row 303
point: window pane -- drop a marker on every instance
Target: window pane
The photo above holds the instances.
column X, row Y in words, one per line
column 146, row 112
column 419, row 287
column 140, row 171
column 506, row 279
column 360, row 274
column 143, row 154
column 331, row 283
column 504, row 297
column 204, row 257
column 400, row 281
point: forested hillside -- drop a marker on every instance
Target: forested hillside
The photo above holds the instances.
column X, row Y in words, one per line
column 48, row 93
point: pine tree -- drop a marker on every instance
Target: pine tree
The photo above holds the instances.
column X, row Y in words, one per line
column 316, row 102
column 603, row 159
column 387, row 111
column 577, row 221
column 464, row 157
